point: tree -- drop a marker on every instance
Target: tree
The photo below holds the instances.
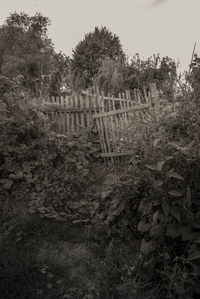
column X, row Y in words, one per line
column 110, row 76
column 26, row 50
column 88, row 54
column 61, row 78
column 193, row 77
column 162, row 71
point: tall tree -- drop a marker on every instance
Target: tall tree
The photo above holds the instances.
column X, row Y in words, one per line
column 26, row 50
column 88, row 54
column 61, row 78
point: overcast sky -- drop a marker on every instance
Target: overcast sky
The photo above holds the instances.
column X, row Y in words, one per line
column 168, row 27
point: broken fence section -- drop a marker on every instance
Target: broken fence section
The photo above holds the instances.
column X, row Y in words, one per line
column 112, row 116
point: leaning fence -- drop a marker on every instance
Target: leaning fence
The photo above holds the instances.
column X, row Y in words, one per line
column 74, row 114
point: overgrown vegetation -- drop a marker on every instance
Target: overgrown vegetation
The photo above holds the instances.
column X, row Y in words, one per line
column 72, row 227
column 161, row 202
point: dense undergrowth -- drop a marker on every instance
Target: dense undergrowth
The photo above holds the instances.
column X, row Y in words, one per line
column 143, row 230
column 44, row 179
column 160, row 206
column 38, row 164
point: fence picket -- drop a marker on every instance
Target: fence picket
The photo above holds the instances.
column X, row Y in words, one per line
column 87, row 106
column 101, row 137
column 72, row 114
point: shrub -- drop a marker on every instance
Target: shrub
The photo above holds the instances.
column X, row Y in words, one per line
column 169, row 209
column 161, row 199
column 39, row 167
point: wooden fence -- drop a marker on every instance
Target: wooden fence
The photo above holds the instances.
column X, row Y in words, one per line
column 116, row 116
column 112, row 116
column 70, row 115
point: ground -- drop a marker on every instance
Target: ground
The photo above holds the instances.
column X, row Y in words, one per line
column 45, row 258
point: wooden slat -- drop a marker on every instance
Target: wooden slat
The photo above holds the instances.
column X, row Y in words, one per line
column 69, row 125
column 71, row 109
column 99, row 127
column 59, row 121
column 57, row 99
column 155, row 99
column 73, row 129
column 114, row 154
column 145, row 94
column 106, row 128
column 125, row 108
column 115, row 99
column 82, row 114
column 116, row 128
column 103, row 125
column 87, row 105
column 112, row 124
column 122, row 111
column 121, row 115
column 76, row 118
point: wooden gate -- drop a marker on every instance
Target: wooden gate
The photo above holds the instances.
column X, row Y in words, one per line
column 114, row 117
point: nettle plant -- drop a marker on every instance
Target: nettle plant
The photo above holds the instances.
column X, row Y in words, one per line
column 170, row 220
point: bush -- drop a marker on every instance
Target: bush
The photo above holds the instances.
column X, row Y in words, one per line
column 169, row 209
column 161, row 199
column 37, row 166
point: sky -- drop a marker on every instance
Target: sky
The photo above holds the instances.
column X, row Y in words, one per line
column 147, row 27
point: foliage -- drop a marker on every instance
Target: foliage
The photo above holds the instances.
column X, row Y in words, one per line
column 61, row 78
column 37, row 164
column 109, row 77
column 162, row 71
column 88, row 53
column 193, row 76
column 26, row 50
column 169, row 219
column 153, row 207
column 160, row 200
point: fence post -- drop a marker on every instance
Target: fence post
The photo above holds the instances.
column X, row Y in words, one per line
column 155, row 100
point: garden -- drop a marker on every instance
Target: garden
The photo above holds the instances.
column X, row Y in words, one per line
column 73, row 226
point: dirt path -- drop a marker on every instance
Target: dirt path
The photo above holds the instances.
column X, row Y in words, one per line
column 48, row 259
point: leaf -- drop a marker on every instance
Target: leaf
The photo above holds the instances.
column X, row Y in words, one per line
column 165, row 208
column 152, row 167
column 194, row 256
column 176, row 214
column 155, row 142
column 149, row 263
column 155, row 217
column 187, row 202
column 146, row 247
column 166, row 256
column 175, row 193
column 169, row 158
column 7, row 183
column 196, row 225
column 85, row 173
column 172, row 230
column 143, row 226
column 172, row 174
column 187, row 234
column 197, row 241
column 166, row 274
column 158, row 183
column 179, row 147
column 174, row 144
column 160, row 165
